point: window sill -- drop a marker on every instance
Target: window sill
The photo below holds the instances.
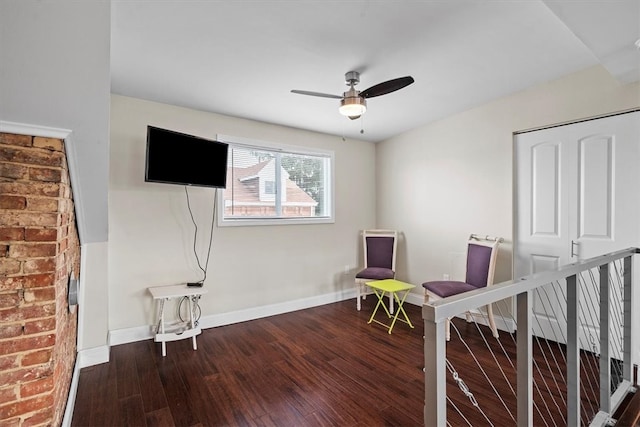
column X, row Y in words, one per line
column 241, row 222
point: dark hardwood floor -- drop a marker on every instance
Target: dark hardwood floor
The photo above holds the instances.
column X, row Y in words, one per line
column 316, row 367
column 323, row 366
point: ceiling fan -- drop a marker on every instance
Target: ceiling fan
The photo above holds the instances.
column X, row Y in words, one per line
column 353, row 103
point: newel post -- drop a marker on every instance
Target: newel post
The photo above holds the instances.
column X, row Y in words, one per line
column 573, row 352
column 524, row 350
column 435, row 384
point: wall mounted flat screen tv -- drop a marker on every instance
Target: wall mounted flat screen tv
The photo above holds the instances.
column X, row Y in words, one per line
column 178, row 158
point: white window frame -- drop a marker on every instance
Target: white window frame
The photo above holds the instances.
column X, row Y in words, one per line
column 239, row 142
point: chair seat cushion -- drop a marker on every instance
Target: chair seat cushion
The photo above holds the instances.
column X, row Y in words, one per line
column 376, row 273
column 446, row 288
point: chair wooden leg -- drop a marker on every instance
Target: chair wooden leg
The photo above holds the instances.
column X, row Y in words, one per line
column 358, row 288
column 447, row 325
column 492, row 322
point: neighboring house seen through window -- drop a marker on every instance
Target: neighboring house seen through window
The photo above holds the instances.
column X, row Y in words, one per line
column 275, row 185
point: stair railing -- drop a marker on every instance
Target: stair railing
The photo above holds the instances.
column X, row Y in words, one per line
column 593, row 373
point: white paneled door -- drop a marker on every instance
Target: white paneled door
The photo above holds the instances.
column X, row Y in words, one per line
column 577, row 194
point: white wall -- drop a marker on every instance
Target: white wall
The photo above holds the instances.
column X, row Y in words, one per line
column 150, row 233
column 54, row 72
column 442, row 181
column 93, row 332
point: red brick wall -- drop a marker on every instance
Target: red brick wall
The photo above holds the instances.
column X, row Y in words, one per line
column 39, row 248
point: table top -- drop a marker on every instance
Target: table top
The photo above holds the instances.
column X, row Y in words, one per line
column 390, row 285
column 175, row 291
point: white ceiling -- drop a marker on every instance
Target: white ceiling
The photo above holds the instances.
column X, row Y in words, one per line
column 242, row 58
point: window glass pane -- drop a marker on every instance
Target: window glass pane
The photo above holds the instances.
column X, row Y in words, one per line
column 270, row 187
column 268, row 184
column 306, row 175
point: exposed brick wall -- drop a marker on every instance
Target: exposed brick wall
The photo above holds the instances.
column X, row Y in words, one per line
column 39, row 248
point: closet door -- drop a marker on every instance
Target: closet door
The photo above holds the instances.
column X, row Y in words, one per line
column 576, row 194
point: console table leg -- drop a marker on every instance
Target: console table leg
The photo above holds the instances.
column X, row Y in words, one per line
column 187, row 327
column 191, row 322
column 164, row 344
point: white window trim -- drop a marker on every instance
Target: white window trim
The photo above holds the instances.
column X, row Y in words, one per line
column 265, row 145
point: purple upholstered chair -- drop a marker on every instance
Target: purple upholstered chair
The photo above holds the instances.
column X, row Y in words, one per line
column 481, row 261
column 379, row 249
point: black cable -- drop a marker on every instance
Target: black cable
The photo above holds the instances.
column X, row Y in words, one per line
column 195, row 233
column 197, row 311
column 213, row 219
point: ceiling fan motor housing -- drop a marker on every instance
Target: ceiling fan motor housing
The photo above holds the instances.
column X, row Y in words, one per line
column 352, row 78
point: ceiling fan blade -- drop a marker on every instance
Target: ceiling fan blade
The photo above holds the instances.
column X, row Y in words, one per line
column 323, row 95
column 387, row 87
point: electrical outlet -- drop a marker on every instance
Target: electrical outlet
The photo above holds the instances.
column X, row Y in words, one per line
column 445, row 276
column 347, row 269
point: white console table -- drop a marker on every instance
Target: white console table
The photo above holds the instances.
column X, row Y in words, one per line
column 178, row 331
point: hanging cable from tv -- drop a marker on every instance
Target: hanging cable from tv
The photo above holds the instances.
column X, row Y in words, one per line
column 195, row 238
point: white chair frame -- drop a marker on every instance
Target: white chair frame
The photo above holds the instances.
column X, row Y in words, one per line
column 361, row 288
column 493, row 243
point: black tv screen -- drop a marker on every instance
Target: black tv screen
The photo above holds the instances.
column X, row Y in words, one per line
column 178, row 158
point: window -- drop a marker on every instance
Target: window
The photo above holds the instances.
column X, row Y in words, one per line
column 269, row 184
column 270, row 187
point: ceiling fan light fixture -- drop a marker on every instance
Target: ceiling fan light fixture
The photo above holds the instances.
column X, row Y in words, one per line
column 353, row 103
column 351, row 106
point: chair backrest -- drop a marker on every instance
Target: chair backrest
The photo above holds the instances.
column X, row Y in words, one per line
column 380, row 248
column 481, row 259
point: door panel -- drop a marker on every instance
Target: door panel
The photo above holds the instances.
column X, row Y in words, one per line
column 577, row 183
column 541, row 262
column 545, row 179
column 576, row 197
column 596, row 194
column 541, row 223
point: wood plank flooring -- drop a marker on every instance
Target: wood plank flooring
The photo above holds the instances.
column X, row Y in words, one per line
column 323, row 366
column 316, row 367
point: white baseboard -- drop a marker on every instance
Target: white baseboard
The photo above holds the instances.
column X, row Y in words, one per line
column 71, row 398
column 127, row 335
column 273, row 309
column 502, row 324
column 84, row 358
column 141, row 333
column 415, row 299
column 92, row 356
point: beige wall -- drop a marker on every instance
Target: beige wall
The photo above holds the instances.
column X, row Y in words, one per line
column 436, row 184
column 151, row 236
column 442, row 181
